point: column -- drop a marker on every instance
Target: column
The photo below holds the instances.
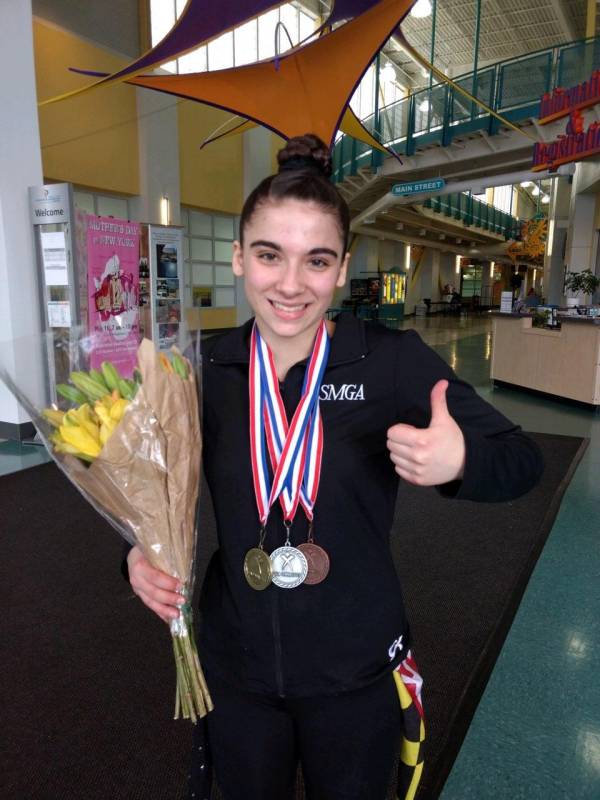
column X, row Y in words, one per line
column 20, row 167
column 558, row 224
column 257, row 154
column 580, row 253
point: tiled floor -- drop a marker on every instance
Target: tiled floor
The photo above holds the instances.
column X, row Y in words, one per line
column 15, row 456
column 536, row 733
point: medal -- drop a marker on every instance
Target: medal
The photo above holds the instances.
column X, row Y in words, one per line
column 289, row 567
column 257, row 568
column 295, row 453
column 317, row 559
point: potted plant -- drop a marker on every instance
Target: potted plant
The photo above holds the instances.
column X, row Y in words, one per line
column 584, row 282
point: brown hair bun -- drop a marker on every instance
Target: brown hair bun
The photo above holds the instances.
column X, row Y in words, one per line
column 306, row 152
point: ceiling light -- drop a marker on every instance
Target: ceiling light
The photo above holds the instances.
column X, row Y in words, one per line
column 422, row 8
column 387, row 74
column 535, row 191
column 525, row 184
column 545, row 198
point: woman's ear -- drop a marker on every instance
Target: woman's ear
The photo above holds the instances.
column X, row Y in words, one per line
column 341, row 279
column 237, row 262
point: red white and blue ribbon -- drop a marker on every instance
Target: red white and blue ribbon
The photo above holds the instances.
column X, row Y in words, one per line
column 295, row 451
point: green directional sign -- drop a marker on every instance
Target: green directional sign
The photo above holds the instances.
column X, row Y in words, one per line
column 418, row 187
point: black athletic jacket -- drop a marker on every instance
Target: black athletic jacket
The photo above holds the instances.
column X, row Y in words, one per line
column 350, row 629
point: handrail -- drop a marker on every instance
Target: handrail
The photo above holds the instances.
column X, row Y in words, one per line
column 437, row 114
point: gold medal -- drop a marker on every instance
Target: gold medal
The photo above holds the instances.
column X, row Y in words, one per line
column 257, row 568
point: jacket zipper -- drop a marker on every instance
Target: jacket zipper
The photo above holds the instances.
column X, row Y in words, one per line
column 277, row 642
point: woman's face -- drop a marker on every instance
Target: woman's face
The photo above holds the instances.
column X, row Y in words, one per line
column 292, row 260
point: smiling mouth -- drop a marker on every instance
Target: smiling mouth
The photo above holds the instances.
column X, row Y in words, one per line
column 289, row 308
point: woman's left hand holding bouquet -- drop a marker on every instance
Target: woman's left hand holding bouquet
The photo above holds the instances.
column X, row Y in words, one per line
column 155, row 588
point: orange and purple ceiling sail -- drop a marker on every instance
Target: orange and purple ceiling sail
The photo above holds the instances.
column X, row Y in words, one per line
column 200, row 22
column 304, row 89
column 350, row 124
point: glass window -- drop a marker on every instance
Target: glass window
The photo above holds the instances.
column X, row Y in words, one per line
column 202, row 296
column 220, row 52
column 201, row 249
column 288, row 15
column 224, row 228
column 162, row 18
column 200, row 224
column 84, row 201
column 223, row 251
column 202, row 273
column 266, row 33
column 307, row 25
column 112, row 207
column 224, row 276
column 212, row 283
column 246, row 43
column 194, row 61
column 224, row 297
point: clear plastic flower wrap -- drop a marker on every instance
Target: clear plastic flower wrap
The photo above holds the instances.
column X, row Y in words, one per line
column 132, row 447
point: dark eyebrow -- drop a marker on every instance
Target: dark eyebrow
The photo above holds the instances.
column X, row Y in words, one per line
column 314, row 252
column 324, row 250
column 265, row 243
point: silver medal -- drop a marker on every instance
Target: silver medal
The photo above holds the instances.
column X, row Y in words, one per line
column 288, row 566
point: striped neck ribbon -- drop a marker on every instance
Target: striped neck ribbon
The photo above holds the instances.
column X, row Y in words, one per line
column 295, row 451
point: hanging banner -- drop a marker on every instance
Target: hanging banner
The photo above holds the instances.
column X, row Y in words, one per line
column 113, row 247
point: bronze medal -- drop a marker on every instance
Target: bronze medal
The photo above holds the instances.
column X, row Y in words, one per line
column 257, row 568
column 318, row 562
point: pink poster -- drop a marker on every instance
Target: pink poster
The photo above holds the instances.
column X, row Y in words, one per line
column 113, row 249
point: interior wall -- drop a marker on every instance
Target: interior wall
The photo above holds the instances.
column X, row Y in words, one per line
column 91, row 139
column 210, row 178
column 112, row 23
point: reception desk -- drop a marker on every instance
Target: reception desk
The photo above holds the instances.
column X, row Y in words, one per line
column 564, row 362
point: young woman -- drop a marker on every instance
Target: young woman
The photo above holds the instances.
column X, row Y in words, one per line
column 303, row 638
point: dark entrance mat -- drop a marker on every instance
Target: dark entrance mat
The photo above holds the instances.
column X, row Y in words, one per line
column 87, row 684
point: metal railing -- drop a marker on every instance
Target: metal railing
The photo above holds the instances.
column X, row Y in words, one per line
column 471, row 211
column 512, row 87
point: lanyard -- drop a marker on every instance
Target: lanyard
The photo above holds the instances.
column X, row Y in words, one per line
column 295, row 451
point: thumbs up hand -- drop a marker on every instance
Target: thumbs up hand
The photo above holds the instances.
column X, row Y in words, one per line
column 429, row 456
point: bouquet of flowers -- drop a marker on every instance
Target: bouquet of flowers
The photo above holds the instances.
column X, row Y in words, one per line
column 132, row 447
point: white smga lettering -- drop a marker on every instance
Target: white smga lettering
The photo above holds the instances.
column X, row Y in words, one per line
column 394, row 647
column 347, row 391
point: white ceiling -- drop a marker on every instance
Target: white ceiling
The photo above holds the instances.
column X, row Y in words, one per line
column 508, row 28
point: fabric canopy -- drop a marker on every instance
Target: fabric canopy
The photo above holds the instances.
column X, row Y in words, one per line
column 305, row 89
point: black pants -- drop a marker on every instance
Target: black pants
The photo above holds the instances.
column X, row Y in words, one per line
column 347, row 744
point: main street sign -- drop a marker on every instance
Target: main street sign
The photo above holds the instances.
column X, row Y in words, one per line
column 418, row 187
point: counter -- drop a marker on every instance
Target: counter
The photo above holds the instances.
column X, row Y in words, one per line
column 564, row 362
